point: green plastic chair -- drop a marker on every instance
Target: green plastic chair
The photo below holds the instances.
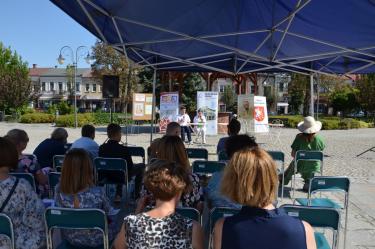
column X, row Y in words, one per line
column 305, row 155
column 201, row 167
column 223, row 156
column 58, row 161
column 190, row 213
column 320, row 217
column 197, row 153
column 111, row 165
column 75, row 218
column 136, row 151
column 216, row 214
column 6, row 229
column 27, row 176
column 279, row 157
column 328, row 184
column 53, row 180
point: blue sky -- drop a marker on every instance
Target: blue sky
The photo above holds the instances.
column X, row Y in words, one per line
column 37, row 30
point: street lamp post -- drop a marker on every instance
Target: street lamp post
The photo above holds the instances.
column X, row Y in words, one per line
column 61, row 60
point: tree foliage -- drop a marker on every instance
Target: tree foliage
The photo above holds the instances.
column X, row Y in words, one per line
column 228, row 98
column 344, row 99
column 193, row 82
column 366, row 92
column 299, row 92
column 15, row 85
column 109, row 61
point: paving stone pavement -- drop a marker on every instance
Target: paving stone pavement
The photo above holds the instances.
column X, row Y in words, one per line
column 340, row 159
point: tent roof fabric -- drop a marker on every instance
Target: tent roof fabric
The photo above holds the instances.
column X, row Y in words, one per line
column 238, row 36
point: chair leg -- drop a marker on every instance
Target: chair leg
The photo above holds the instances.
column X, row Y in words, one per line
column 346, row 220
column 282, row 184
column 294, row 181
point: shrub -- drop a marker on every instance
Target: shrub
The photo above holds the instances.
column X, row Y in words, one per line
column 68, row 120
column 64, row 108
column 32, row 118
column 328, row 124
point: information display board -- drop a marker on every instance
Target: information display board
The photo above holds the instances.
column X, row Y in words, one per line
column 142, row 106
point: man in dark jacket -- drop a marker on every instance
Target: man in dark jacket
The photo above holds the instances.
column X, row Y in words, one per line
column 113, row 149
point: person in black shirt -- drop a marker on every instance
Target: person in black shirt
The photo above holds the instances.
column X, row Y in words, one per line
column 113, row 149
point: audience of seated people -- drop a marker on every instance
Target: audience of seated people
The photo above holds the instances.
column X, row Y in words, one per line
column 113, row 149
column 77, row 190
column 234, row 128
column 161, row 227
column 172, row 148
column 27, row 163
column 19, row 201
column 232, row 145
column 51, row 147
column 173, row 129
column 86, row 141
column 251, row 180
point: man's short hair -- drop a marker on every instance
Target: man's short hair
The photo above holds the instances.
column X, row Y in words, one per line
column 59, row 134
column 17, row 136
column 113, row 130
column 238, row 142
column 88, row 131
column 234, row 127
column 172, row 128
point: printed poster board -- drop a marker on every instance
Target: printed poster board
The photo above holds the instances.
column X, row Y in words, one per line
column 169, row 109
column 142, row 106
column 252, row 113
column 208, row 102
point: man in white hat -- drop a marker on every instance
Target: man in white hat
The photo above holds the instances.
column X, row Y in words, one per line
column 308, row 140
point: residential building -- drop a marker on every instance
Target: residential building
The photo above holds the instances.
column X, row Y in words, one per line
column 52, row 85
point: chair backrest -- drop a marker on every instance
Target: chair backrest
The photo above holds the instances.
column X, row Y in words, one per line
column 277, row 155
column 197, row 153
column 53, row 180
column 6, row 228
column 68, row 146
column 329, row 183
column 27, row 176
column 136, row 151
column 190, row 213
column 71, row 218
column 307, row 155
column 223, row 156
column 110, row 164
column 207, row 167
column 220, row 212
column 316, row 216
column 58, row 161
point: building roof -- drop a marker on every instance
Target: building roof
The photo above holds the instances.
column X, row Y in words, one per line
column 37, row 71
column 62, row 72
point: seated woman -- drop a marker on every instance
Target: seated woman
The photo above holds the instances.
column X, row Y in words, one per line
column 77, row 190
column 50, row 147
column 28, row 163
column 172, row 148
column 308, row 139
column 233, row 144
column 251, row 180
column 19, row 201
column 161, row 227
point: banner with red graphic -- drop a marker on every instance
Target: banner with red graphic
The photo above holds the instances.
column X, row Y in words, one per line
column 260, row 114
column 168, row 109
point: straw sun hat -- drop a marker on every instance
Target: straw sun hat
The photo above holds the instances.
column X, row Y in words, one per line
column 309, row 125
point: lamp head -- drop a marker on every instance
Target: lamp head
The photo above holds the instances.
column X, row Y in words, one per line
column 61, row 59
column 88, row 58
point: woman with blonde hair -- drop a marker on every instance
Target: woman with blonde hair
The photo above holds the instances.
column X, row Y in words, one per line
column 162, row 227
column 251, row 180
column 77, row 190
column 172, row 148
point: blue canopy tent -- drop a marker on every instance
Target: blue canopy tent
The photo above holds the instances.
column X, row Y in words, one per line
column 235, row 37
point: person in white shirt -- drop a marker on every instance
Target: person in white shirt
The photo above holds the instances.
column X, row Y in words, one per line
column 184, row 121
column 87, row 142
column 200, row 120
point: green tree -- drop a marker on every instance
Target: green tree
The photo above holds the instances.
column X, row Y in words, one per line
column 344, row 99
column 228, row 98
column 15, row 84
column 109, row 61
column 70, row 82
column 193, row 82
column 366, row 93
column 299, row 93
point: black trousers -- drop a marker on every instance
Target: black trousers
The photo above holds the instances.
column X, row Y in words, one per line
column 188, row 132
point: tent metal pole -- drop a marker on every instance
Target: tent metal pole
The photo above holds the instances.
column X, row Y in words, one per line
column 311, row 95
column 153, row 105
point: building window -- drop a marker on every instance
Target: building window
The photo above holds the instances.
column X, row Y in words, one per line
column 94, row 88
column 78, row 86
column 281, row 87
column 51, row 86
column 221, row 88
column 43, row 86
column 252, row 89
column 87, row 88
column 60, row 86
